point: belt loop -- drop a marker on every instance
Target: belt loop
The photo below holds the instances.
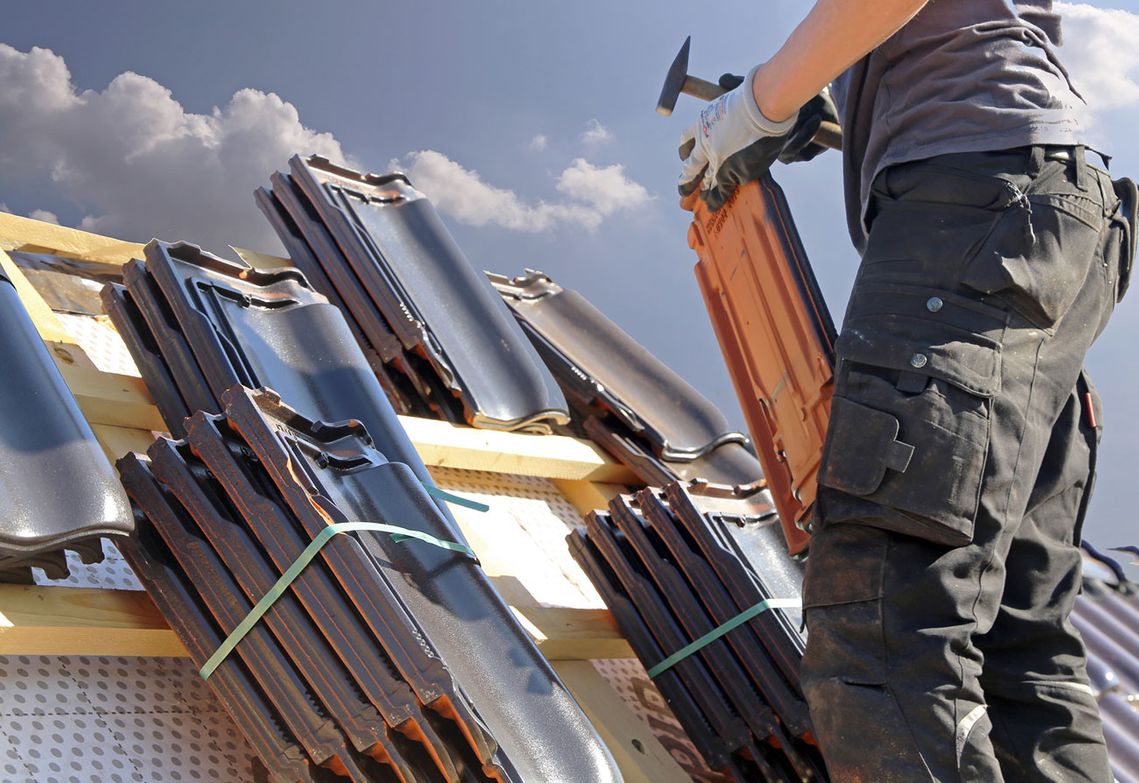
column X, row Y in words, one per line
column 1081, row 164
column 1035, row 160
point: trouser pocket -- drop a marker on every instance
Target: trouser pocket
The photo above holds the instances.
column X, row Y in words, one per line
column 1038, row 254
column 909, row 430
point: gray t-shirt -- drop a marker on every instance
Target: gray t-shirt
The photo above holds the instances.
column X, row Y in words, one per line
column 961, row 76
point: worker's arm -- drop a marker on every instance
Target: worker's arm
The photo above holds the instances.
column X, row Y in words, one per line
column 835, row 35
column 740, row 134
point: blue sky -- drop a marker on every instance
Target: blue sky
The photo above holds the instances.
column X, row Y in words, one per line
column 540, row 115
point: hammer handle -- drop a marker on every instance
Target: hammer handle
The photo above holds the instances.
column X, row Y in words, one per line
column 699, row 88
column 829, row 135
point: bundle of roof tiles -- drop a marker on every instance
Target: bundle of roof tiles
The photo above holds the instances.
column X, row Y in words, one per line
column 439, row 338
column 57, row 489
column 671, row 574
column 628, row 401
column 388, row 659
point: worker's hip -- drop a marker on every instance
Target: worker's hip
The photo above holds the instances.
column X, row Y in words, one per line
column 985, row 279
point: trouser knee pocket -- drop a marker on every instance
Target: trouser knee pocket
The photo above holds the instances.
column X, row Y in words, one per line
column 909, row 429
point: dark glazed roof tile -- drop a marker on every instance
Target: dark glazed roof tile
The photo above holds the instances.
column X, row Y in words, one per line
column 57, row 489
column 623, row 397
column 607, row 364
column 437, row 304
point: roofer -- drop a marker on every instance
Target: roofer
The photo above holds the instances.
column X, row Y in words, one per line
column 963, row 434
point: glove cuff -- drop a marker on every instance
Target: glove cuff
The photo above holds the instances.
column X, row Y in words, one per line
column 757, row 118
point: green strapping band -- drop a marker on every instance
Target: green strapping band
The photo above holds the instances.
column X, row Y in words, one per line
column 293, row 571
column 721, row 630
column 458, row 501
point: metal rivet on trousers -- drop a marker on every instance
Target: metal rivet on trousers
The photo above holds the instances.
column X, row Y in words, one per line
column 919, row 360
column 934, row 303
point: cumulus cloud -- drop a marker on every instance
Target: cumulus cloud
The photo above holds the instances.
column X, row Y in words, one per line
column 596, row 133
column 606, row 188
column 1101, row 55
column 592, row 194
column 539, row 142
column 47, row 216
column 137, row 162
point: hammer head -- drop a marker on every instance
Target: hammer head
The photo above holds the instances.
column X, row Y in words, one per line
column 674, row 81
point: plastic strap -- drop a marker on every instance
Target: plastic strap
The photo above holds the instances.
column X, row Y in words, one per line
column 458, row 501
column 721, row 630
column 293, row 571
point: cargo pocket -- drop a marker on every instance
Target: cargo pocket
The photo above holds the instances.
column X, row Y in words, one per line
column 1037, row 255
column 909, row 427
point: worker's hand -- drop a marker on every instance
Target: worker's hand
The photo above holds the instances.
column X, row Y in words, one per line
column 799, row 146
column 730, row 144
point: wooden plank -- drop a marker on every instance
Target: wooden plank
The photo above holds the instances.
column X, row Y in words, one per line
column 566, row 634
column 639, row 755
column 35, row 236
column 443, row 444
column 588, row 496
column 119, row 441
column 36, row 620
column 111, row 399
column 50, row 620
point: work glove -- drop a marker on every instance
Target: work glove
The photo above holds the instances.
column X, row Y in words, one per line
column 731, row 143
column 799, row 146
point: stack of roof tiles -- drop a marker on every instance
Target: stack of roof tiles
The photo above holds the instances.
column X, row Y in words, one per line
column 627, row 400
column 57, row 489
column 438, row 336
column 671, row 574
column 673, row 564
column 388, row 660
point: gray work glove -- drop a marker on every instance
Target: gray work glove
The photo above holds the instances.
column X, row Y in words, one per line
column 731, row 143
column 799, row 146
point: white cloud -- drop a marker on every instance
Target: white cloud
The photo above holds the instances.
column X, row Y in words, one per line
column 4, row 207
column 44, row 215
column 606, row 188
column 138, row 162
column 1101, row 54
column 593, row 194
column 596, row 133
column 539, row 142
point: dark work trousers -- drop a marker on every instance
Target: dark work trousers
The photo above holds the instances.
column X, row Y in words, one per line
column 958, row 466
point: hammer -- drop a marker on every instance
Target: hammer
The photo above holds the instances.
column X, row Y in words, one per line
column 679, row 81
